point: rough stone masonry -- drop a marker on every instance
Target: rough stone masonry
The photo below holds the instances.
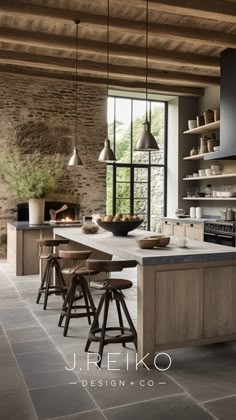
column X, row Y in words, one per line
column 40, row 114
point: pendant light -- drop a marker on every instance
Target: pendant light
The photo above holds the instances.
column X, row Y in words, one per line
column 107, row 155
column 147, row 141
column 75, row 159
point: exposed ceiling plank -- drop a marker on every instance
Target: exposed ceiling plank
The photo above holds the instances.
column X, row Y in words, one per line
column 21, row 37
column 206, row 9
column 186, row 34
column 65, row 64
column 113, row 83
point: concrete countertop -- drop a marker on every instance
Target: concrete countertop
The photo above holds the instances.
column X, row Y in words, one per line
column 127, row 248
column 45, row 225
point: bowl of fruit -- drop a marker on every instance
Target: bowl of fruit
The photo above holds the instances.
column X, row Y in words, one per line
column 119, row 224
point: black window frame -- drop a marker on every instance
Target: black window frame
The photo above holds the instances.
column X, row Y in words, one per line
column 133, row 165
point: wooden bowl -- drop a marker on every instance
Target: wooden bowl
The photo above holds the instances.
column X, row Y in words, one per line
column 153, row 241
column 120, row 228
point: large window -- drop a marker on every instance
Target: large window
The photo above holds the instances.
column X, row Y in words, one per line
column 136, row 183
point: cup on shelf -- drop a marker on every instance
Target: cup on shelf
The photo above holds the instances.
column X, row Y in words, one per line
column 192, row 124
column 202, row 172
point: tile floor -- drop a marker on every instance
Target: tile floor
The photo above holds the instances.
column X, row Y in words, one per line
column 201, row 383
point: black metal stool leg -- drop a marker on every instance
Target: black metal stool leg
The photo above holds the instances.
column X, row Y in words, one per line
column 64, row 306
column 120, row 319
column 95, row 321
column 70, row 304
column 88, row 293
column 60, row 282
column 128, row 317
column 85, row 300
column 42, row 283
column 47, row 287
column 103, row 331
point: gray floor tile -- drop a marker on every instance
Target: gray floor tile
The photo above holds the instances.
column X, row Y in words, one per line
column 13, row 379
column 33, row 346
column 207, row 372
column 26, row 334
column 1, row 330
column 16, row 405
column 61, row 400
column 87, row 415
column 17, row 318
column 171, row 408
column 224, row 409
column 115, row 388
column 48, row 379
column 40, row 362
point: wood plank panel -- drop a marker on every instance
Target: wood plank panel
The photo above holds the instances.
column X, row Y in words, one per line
column 179, row 306
column 219, row 301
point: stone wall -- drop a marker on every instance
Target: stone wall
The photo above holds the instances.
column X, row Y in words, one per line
column 39, row 114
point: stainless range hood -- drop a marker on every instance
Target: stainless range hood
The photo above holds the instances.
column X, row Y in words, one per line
column 227, row 107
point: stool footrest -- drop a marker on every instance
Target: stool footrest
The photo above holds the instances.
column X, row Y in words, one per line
column 125, row 336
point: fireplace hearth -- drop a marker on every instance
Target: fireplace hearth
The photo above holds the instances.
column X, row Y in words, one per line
column 72, row 212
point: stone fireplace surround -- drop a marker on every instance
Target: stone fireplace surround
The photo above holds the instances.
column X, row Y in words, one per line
column 39, row 114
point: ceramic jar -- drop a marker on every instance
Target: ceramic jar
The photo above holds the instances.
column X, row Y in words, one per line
column 209, row 116
column 193, row 152
column 203, row 145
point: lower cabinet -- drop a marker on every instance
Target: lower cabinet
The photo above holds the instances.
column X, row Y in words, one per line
column 189, row 230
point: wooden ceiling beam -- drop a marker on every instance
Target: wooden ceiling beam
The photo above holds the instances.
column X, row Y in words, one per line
column 65, row 64
column 205, row 9
column 48, row 41
column 167, row 31
column 99, row 81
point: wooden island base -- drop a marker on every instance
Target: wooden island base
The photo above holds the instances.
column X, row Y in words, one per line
column 185, row 305
column 185, row 297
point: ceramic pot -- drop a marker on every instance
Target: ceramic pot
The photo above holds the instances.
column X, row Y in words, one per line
column 211, row 143
column 36, row 211
column 203, row 145
column 193, row 152
column 209, row 116
column 200, row 120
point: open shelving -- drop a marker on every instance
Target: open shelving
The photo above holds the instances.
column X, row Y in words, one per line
column 204, row 128
column 210, row 198
column 199, row 178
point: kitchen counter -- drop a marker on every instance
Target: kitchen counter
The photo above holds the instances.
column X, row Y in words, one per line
column 45, row 225
column 185, row 296
column 126, row 247
column 22, row 251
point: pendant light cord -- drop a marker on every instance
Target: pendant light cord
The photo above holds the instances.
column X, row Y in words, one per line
column 146, row 59
column 76, row 80
column 108, row 50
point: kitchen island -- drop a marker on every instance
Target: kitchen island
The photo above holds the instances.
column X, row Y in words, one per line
column 185, row 296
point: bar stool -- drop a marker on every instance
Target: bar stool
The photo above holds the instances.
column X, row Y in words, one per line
column 47, row 287
column 113, row 291
column 77, row 274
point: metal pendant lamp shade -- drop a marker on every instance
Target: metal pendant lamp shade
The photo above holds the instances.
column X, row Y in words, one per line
column 107, row 155
column 147, row 141
column 75, row 159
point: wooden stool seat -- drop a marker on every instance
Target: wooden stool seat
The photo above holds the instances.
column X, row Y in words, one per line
column 75, row 255
column 52, row 242
column 111, row 284
column 112, row 288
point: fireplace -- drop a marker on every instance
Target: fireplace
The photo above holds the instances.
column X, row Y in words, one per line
column 72, row 212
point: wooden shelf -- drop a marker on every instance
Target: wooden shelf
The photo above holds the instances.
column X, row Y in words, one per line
column 198, row 178
column 204, row 128
column 196, row 157
column 210, row 198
